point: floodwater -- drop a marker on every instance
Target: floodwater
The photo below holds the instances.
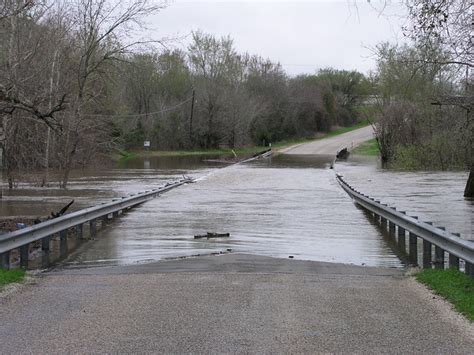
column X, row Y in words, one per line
column 433, row 196
column 89, row 187
column 282, row 206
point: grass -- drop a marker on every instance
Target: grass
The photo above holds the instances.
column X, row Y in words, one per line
column 244, row 151
column 342, row 130
column 453, row 285
column 11, row 276
column 367, row 148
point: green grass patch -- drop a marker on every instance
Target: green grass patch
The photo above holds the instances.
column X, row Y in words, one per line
column 453, row 285
column 367, row 148
column 342, row 130
column 11, row 276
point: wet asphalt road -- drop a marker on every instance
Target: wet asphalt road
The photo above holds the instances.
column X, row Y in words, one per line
column 332, row 145
column 230, row 304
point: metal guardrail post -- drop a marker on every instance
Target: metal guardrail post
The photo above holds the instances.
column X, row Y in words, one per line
column 427, row 254
column 391, row 228
column 24, row 251
column 439, row 255
column 5, row 260
column 45, row 248
column 79, row 231
column 469, row 269
column 92, row 228
column 104, row 220
column 63, row 245
column 413, row 248
column 45, row 244
column 439, row 258
column 401, row 240
column 453, row 261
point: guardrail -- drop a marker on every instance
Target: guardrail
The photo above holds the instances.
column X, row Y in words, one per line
column 457, row 249
column 21, row 239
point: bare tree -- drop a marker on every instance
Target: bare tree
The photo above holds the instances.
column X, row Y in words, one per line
column 25, row 43
column 101, row 30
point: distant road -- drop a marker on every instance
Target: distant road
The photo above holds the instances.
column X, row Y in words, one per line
column 330, row 146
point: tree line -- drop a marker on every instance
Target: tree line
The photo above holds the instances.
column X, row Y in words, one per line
column 76, row 84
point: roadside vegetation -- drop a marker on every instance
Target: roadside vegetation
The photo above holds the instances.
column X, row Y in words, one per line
column 424, row 91
column 11, row 276
column 454, row 286
column 370, row 148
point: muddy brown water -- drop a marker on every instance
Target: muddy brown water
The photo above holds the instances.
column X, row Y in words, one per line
column 286, row 205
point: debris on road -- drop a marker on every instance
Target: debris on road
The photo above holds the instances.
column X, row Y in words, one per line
column 212, row 235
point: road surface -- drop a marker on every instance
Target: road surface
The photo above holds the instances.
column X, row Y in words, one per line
column 330, row 146
column 230, row 304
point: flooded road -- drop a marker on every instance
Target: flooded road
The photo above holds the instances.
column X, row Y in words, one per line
column 286, row 205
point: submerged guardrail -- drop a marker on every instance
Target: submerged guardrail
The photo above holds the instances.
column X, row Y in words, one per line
column 21, row 239
column 457, row 249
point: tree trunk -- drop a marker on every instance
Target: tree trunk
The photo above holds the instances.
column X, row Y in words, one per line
column 69, row 162
column 48, row 135
column 469, row 191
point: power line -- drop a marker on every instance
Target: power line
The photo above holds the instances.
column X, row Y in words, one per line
column 142, row 114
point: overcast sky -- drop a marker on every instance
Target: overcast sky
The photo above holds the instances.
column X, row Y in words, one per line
column 303, row 36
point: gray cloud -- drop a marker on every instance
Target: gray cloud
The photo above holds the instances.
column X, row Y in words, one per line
column 302, row 35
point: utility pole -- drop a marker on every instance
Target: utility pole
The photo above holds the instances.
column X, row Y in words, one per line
column 191, row 121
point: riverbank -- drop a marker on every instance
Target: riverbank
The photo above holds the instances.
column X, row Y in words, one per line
column 229, row 304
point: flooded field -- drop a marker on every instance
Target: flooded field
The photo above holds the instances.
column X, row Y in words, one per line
column 89, row 187
column 283, row 206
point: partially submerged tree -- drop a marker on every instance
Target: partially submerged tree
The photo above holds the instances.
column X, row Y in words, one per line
column 448, row 24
